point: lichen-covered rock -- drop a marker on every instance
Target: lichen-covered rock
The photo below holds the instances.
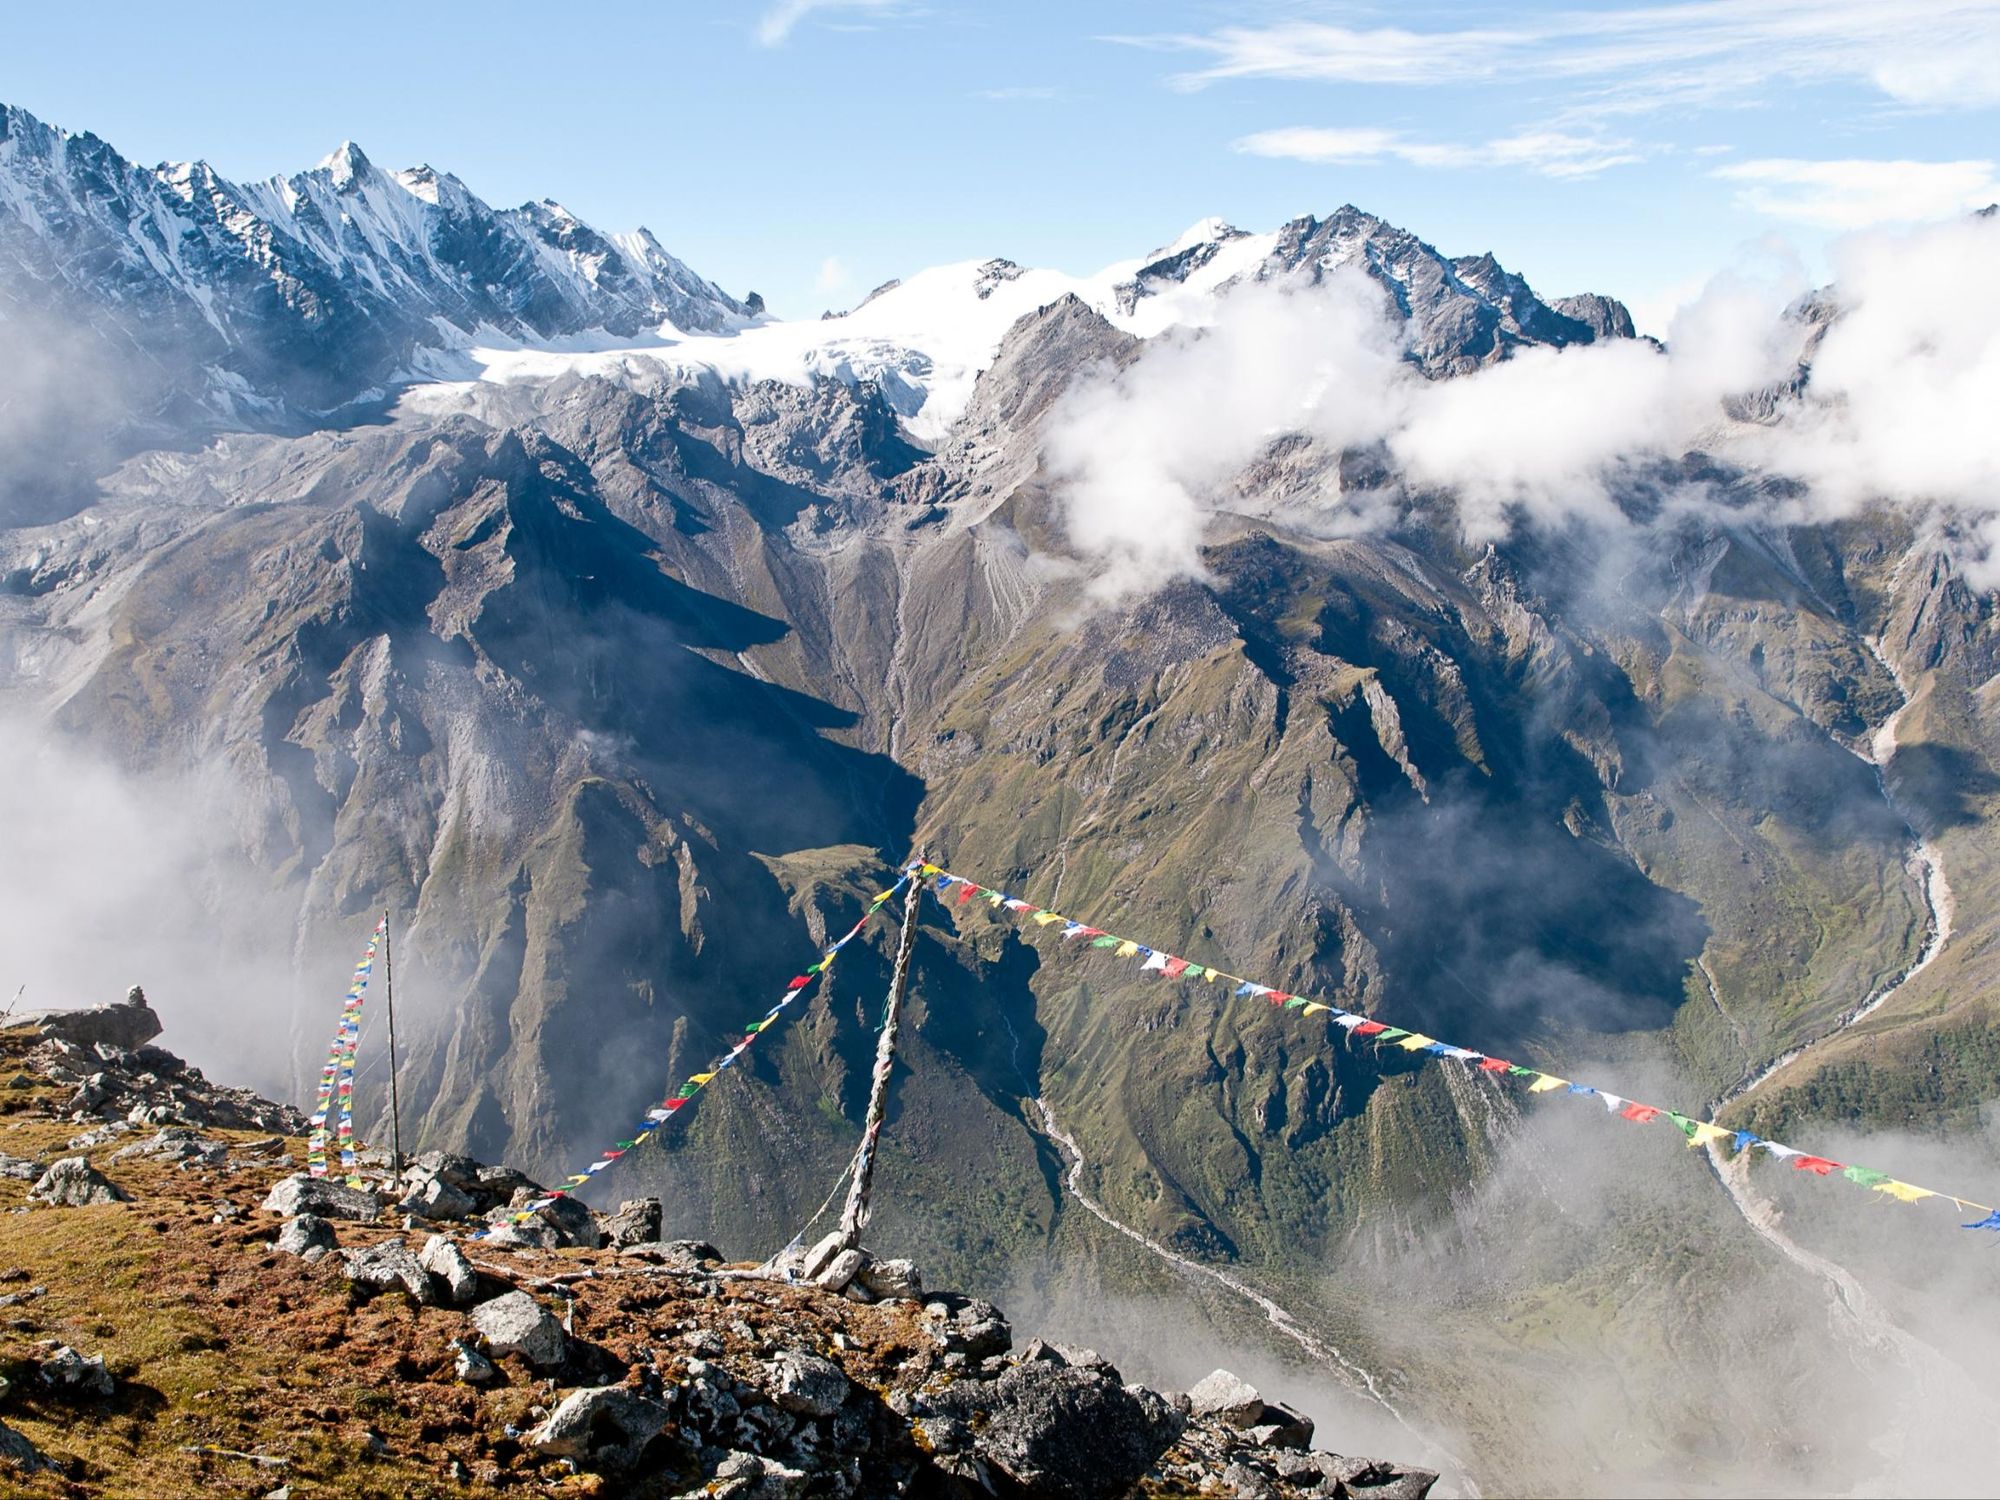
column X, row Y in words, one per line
column 891, row 1279
column 74, row 1183
column 637, row 1222
column 75, row 1374
column 968, row 1326
column 473, row 1367
column 806, row 1384
column 304, row 1194
column 517, row 1324
column 306, row 1233
column 388, row 1267
column 1226, row 1397
column 448, row 1264
column 1058, row 1430
column 438, row 1198
column 602, row 1427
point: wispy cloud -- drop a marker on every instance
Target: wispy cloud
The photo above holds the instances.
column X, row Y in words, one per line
column 833, row 275
column 779, row 21
column 1860, row 194
column 1939, row 54
column 1552, row 153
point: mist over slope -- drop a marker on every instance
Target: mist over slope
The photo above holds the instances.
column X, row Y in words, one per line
column 1324, row 606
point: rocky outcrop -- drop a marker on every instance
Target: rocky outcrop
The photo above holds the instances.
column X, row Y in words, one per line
column 127, row 1027
column 323, row 1196
column 516, row 1324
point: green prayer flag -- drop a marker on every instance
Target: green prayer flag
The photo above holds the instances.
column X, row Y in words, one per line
column 1865, row 1176
column 1391, row 1034
column 1104, row 942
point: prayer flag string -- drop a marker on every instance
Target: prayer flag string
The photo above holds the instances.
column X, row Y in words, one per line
column 336, row 1079
column 679, row 1099
column 1699, row 1132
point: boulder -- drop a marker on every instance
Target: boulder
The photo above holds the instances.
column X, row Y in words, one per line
column 472, row 1367
column 555, row 1224
column 891, row 1279
column 968, row 1326
column 1062, row 1431
column 388, row 1267
column 1227, row 1398
column 448, row 1264
column 127, row 1027
column 306, row 1233
column 820, row 1256
column 603, row 1427
column 439, row 1199
column 637, row 1222
column 747, row 1476
column 74, row 1183
column 20, row 1167
column 304, row 1194
column 836, row 1273
column 461, row 1172
column 75, row 1375
column 1280, row 1426
column 517, row 1324
column 806, row 1384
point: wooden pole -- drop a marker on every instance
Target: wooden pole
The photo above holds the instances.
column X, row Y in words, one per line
column 395, row 1102
column 854, row 1217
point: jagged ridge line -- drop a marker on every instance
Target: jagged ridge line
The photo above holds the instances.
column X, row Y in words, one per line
column 1699, row 1132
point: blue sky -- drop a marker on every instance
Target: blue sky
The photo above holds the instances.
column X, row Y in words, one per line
column 811, row 148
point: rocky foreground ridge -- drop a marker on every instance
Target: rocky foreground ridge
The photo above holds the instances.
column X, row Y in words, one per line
column 181, row 1311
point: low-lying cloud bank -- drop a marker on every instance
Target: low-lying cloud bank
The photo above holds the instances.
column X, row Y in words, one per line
column 1896, row 406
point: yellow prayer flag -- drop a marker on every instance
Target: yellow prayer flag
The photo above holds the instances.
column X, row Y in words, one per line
column 1415, row 1042
column 1043, row 918
column 1546, row 1082
column 1705, row 1132
column 1127, row 949
column 1314, row 1008
column 1903, row 1192
column 700, row 1077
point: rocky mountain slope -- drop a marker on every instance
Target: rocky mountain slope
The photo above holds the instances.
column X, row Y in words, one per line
column 252, row 1332
column 624, row 680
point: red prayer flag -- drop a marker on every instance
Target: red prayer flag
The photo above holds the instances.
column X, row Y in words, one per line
column 1816, row 1164
column 966, row 892
column 1640, row 1112
column 675, row 1103
column 1278, row 997
column 613, row 1155
column 1175, row 968
column 1494, row 1065
column 799, row 982
column 1369, row 1028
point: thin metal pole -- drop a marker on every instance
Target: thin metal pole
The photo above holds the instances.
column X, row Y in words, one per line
column 395, row 1103
column 854, row 1217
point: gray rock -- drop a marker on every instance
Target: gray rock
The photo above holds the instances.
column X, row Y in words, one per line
column 448, row 1264
column 1063, row 1431
column 20, row 1167
column 806, row 1384
column 128, row 1027
column 389, row 1267
column 73, row 1374
column 602, row 1427
column 21, row 1453
column 74, row 1183
column 517, row 1324
column 891, row 1279
column 820, row 1256
column 472, row 1367
column 637, row 1222
column 306, row 1232
column 1280, row 1426
column 439, row 1199
column 968, row 1326
column 837, row 1272
column 304, row 1194
column 461, row 1172
column 1227, row 1398
column 746, row 1476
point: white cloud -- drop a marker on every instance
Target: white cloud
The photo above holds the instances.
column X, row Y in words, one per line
column 1861, row 194
column 1897, row 410
column 779, row 21
column 1927, row 53
column 1551, row 153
